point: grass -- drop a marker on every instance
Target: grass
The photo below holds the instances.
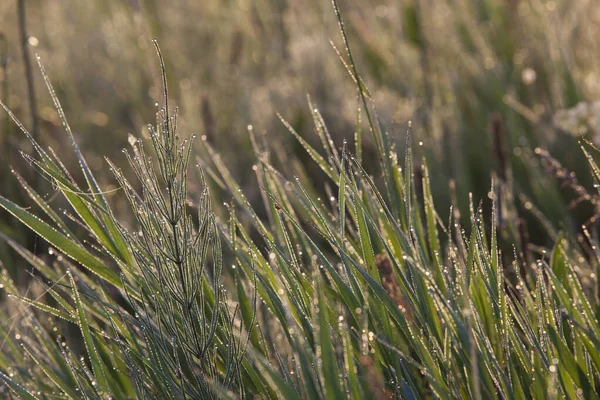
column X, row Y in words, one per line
column 353, row 285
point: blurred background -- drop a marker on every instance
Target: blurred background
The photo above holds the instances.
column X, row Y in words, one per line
column 480, row 84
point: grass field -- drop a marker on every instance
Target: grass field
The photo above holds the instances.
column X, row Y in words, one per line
column 385, row 199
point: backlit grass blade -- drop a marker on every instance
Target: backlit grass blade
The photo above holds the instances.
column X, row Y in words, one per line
column 45, row 207
column 333, row 390
column 571, row 367
column 115, row 236
column 53, row 376
column 17, row 389
column 61, row 242
column 46, row 308
column 88, row 338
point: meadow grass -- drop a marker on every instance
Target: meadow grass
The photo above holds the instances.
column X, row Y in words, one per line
column 354, row 285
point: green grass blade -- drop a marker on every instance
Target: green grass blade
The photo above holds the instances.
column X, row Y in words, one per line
column 62, row 242
column 97, row 364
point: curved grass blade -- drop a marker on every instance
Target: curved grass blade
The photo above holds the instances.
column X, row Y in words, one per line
column 62, row 242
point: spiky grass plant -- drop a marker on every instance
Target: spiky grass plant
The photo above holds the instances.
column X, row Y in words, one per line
column 364, row 291
column 159, row 327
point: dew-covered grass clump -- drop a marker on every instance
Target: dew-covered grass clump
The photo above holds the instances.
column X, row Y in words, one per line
column 343, row 278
